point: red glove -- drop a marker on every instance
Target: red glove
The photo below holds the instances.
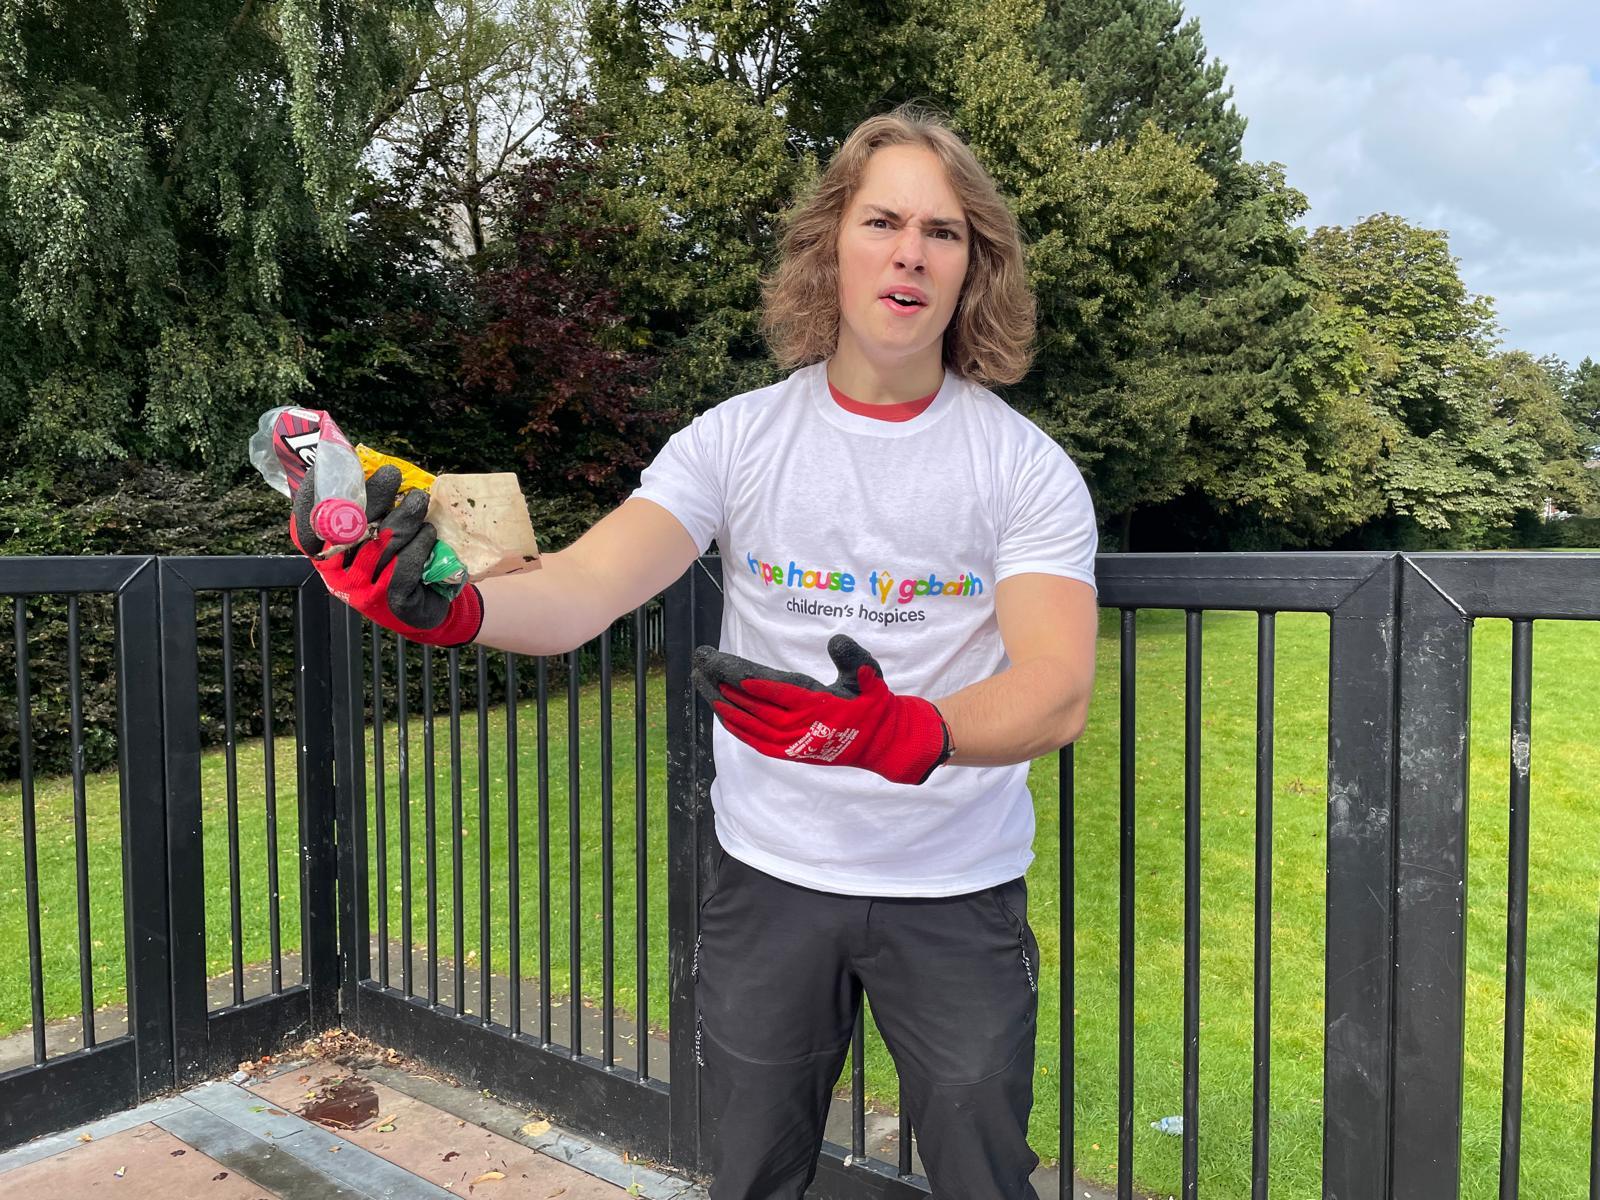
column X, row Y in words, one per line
column 858, row 722
column 381, row 578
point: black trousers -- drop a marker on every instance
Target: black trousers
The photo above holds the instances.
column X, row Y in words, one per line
column 780, row 971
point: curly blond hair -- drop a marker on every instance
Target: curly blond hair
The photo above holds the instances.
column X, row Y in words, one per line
column 990, row 338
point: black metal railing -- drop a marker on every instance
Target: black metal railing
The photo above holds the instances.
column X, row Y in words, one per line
column 356, row 927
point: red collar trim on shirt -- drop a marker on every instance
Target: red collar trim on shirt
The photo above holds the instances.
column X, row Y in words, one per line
column 903, row 411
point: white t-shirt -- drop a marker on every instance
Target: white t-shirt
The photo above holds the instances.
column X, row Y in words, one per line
column 895, row 533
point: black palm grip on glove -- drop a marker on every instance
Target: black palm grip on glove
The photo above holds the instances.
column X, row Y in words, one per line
column 713, row 668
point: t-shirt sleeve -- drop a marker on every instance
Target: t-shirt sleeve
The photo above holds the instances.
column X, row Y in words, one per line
column 1049, row 526
column 687, row 478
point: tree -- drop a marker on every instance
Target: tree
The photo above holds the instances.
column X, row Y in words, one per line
column 159, row 160
column 1581, row 395
column 1138, row 61
column 1469, row 437
column 484, row 79
column 690, row 151
column 548, row 370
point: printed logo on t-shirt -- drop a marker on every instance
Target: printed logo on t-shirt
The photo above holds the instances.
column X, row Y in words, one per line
column 888, row 596
column 882, row 586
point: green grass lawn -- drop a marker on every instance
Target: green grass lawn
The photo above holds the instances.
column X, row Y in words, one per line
column 1565, row 872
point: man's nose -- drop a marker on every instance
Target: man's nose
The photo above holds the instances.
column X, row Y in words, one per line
column 908, row 249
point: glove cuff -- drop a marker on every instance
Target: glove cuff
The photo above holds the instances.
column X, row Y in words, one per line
column 460, row 625
column 924, row 739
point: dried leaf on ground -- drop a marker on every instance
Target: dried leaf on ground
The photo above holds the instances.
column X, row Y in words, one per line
column 489, row 1177
column 535, row 1128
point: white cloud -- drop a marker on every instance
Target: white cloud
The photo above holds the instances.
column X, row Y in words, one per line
column 1476, row 117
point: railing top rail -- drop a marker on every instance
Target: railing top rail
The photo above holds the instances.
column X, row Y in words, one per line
column 53, row 575
column 1267, row 582
column 207, row 572
column 1534, row 585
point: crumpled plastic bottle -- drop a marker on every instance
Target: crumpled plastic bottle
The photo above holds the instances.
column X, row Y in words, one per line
column 287, row 441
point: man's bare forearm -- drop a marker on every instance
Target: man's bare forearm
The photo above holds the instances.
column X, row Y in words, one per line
column 548, row 611
column 628, row 556
column 1027, row 710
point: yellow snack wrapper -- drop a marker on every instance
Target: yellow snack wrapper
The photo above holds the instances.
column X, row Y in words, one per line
column 411, row 475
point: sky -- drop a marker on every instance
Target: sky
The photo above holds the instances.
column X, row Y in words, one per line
column 1479, row 117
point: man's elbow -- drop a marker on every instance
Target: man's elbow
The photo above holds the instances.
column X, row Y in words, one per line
column 1074, row 719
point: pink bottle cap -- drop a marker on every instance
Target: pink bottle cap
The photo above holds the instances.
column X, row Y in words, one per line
column 338, row 521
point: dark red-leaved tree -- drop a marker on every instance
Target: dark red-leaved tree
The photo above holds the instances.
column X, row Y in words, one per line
column 549, row 357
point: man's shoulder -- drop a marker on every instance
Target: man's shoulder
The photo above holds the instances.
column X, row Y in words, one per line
column 756, row 399
column 1007, row 423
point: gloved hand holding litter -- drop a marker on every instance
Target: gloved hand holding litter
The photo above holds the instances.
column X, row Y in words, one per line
column 381, row 576
column 856, row 722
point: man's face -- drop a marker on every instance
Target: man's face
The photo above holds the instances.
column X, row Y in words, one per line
column 904, row 231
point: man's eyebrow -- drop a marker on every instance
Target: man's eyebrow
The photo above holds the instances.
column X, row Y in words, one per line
column 935, row 222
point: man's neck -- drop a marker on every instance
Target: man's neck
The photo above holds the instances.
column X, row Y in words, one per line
column 868, row 383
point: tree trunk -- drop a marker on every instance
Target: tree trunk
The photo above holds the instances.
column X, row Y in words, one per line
column 1127, row 530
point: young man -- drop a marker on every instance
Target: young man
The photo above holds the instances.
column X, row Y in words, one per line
column 873, row 831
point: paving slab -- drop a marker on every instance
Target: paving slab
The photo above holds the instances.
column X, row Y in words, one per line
column 154, row 1165
column 435, row 1146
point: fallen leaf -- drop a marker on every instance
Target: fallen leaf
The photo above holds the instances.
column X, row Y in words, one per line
column 218, row 1176
column 386, row 1128
column 176, row 1153
column 86, row 1137
column 535, row 1128
column 459, row 1124
column 635, row 1190
column 276, row 1112
column 119, row 1172
column 305, row 1079
column 554, row 1194
column 452, row 1154
column 489, row 1176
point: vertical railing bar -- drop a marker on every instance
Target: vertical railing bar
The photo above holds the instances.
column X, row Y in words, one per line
column 269, row 775
column 1261, row 1088
column 1191, row 903
column 858, row 1085
column 513, row 849
column 1516, row 907
column 230, row 755
column 80, row 826
column 380, row 814
column 1067, row 783
column 1125, row 920
column 574, row 861
column 30, row 834
column 431, row 823
column 485, row 973
column 402, row 755
column 543, row 702
column 458, row 926
column 607, row 912
column 641, row 874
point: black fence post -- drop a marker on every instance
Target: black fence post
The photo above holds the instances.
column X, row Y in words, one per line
column 1435, row 665
column 319, row 864
column 146, row 907
column 1357, row 1059
column 349, row 691
column 693, row 618
column 185, row 850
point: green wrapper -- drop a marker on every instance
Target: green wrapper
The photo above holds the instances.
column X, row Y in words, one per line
column 445, row 573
